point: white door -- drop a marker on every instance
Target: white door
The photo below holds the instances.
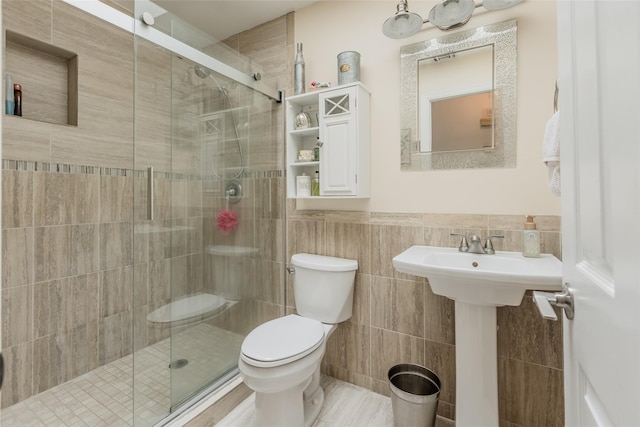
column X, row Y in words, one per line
column 599, row 54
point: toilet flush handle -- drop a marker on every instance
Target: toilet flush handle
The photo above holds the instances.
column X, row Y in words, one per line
column 291, row 270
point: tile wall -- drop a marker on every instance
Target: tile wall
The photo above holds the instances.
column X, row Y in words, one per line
column 67, row 228
column 397, row 319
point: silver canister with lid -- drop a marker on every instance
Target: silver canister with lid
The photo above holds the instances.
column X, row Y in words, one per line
column 348, row 67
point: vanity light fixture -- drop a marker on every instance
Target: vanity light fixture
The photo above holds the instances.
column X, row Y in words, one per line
column 445, row 15
column 403, row 23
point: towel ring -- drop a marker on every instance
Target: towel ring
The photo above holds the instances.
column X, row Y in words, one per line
column 555, row 98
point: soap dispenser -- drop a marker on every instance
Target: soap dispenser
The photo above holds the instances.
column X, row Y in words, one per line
column 530, row 239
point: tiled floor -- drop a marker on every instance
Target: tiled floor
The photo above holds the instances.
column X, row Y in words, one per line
column 345, row 405
column 365, row 408
column 104, row 396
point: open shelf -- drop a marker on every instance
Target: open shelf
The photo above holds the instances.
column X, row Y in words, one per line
column 305, row 132
column 49, row 79
column 301, row 164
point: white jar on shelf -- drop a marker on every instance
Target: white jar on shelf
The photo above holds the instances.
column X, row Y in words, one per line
column 303, row 185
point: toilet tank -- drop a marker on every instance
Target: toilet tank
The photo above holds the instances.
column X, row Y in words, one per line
column 323, row 287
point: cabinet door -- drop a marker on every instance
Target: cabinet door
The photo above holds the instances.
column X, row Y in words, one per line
column 338, row 132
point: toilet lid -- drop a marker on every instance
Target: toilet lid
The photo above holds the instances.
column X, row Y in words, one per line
column 282, row 340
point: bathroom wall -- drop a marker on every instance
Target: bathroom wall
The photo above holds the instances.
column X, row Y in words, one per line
column 397, row 319
column 356, row 25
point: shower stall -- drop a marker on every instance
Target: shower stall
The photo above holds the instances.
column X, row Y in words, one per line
column 154, row 240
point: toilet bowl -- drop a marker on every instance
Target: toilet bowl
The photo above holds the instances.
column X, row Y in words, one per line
column 280, row 359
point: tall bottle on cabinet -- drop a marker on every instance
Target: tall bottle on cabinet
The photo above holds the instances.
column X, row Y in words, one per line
column 298, row 71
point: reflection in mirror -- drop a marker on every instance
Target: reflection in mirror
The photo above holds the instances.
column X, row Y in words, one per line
column 458, row 85
column 458, row 100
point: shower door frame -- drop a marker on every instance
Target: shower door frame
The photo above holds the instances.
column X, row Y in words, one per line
column 139, row 28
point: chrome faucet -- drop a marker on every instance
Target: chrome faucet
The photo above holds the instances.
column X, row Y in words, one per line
column 474, row 244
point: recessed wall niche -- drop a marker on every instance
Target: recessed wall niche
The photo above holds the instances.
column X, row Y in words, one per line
column 49, row 79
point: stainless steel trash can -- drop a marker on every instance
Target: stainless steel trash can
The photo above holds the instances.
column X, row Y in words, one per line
column 415, row 391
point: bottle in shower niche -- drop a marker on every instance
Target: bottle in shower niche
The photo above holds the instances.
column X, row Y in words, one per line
column 9, row 104
column 17, row 99
column 530, row 239
column 298, row 71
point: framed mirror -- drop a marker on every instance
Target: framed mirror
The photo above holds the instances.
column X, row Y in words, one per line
column 458, row 100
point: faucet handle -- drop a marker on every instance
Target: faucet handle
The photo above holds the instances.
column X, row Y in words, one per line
column 464, row 244
column 488, row 244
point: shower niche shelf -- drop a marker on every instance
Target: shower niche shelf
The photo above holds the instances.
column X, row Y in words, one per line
column 49, row 78
column 340, row 127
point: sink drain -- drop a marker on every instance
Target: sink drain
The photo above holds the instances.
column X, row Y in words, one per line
column 177, row 364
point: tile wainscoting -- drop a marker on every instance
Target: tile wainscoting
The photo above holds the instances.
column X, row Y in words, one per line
column 397, row 319
column 82, row 267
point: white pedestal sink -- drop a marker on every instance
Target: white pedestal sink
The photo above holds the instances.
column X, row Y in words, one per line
column 478, row 283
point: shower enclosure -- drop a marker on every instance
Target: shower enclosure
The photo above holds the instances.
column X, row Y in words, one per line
column 154, row 242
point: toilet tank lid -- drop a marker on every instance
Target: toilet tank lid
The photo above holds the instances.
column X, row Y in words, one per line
column 323, row 263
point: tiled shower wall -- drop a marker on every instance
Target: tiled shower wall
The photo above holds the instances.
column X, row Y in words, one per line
column 67, row 236
column 397, row 319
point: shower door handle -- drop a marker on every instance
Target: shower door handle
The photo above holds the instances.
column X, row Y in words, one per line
column 150, row 193
column 1, row 369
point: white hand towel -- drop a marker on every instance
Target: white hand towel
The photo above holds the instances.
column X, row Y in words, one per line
column 551, row 152
column 551, row 143
column 554, row 177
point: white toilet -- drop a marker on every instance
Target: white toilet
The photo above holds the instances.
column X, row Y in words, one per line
column 280, row 359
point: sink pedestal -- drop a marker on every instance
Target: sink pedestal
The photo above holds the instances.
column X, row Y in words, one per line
column 476, row 365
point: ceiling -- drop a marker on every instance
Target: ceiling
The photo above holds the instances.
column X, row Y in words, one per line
column 222, row 18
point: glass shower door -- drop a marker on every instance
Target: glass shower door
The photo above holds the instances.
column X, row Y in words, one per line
column 207, row 182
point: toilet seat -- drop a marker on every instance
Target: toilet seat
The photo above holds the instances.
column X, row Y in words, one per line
column 281, row 341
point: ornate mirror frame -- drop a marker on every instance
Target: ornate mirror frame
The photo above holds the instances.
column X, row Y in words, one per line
column 503, row 37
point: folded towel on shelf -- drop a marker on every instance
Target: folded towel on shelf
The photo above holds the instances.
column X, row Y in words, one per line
column 551, row 152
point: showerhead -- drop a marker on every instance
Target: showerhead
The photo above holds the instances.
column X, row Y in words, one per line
column 204, row 72
column 201, row 71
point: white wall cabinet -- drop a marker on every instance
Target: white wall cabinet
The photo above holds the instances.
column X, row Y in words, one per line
column 340, row 122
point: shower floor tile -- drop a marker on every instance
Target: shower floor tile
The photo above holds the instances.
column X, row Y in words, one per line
column 104, row 396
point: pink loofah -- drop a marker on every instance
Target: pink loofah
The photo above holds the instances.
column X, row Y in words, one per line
column 227, row 221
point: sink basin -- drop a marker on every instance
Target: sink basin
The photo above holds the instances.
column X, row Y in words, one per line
column 497, row 280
